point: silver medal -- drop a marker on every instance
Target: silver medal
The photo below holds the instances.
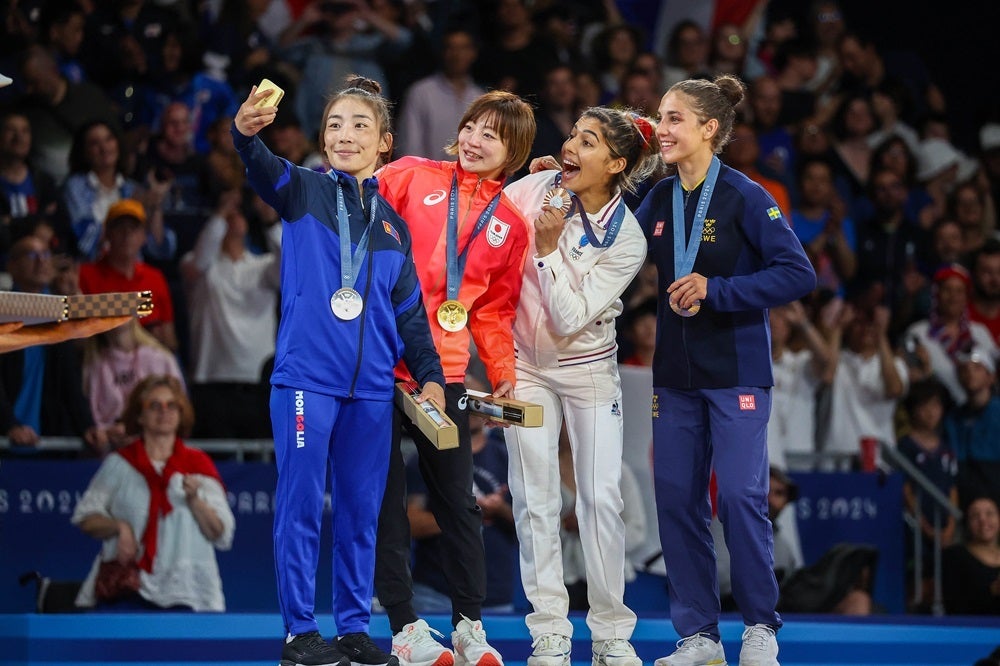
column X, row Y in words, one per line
column 346, row 304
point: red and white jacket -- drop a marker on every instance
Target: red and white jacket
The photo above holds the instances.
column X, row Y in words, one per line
column 418, row 189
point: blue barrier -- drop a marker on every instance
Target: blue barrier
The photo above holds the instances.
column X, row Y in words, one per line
column 37, row 498
column 856, row 508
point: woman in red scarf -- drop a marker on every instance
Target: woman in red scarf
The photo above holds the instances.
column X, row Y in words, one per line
column 947, row 333
column 159, row 509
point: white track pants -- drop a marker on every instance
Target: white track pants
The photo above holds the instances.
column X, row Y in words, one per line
column 588, row 397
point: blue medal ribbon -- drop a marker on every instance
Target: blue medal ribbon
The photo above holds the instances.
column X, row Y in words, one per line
column 456, row 261
column 351, row 264
column 684, row 257
column 613, row 226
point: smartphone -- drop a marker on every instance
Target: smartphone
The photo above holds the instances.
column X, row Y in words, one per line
column 276, row 93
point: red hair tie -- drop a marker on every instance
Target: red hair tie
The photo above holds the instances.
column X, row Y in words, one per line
column 644, row 127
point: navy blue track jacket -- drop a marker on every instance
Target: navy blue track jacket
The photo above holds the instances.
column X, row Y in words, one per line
column 752, row 260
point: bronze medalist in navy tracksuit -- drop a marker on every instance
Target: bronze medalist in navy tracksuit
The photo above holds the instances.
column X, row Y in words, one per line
column 713, row 371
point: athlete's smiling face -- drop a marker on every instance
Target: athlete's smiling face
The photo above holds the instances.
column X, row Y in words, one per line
column 680, row 131
column 480, row 149
column 587, row 158
column 352, row 138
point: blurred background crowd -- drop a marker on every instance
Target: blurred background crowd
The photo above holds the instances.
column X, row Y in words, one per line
column 879, row 137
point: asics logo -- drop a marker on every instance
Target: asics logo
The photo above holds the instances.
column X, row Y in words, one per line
column 462, row 402
column 435, row 197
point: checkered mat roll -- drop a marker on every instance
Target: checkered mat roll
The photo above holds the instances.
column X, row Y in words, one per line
column 43, row 308
column 113, row 304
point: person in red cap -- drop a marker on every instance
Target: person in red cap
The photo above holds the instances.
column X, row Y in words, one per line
column 121, row 268
column 947, row 332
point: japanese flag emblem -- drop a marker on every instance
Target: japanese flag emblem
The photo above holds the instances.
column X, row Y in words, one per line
column 496, row 232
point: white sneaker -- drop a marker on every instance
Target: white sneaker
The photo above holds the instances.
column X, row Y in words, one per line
column 550, row 650
column 615, row 652
column 760, row 647
column 414, row 646
column 471, row 648
column 697, row 650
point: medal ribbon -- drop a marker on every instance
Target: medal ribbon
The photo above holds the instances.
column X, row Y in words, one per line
column 456, row 261
column 613, row 226
column 351, row 264
column 684, row 256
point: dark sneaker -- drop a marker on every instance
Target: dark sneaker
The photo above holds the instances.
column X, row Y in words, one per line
column 311, row 650
column 362, row 651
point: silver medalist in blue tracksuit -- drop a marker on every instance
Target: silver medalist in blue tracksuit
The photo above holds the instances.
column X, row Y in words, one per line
column 332, row 385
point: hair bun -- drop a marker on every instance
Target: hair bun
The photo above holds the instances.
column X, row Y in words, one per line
column 361, row 83
column 732, row 88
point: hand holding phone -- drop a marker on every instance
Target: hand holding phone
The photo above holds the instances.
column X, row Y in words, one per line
column 276, row 93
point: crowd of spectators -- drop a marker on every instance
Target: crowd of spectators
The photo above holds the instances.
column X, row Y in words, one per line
column 117, row 172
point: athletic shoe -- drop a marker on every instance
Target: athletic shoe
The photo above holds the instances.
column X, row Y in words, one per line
column 550, row 650
column 362, row 651
column 760, row 647
column 697, row 650
column 615, row 652
column 310, row 649
column 471, row 648
column 415, row 646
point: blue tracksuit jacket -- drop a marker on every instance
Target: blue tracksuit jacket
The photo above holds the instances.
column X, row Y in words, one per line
column 316, row 351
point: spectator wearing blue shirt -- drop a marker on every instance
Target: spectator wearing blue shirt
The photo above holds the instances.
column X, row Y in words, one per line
column 974, row 428
column 927, row 447
column 209, row 99
column 41, row 387
column 821, row 224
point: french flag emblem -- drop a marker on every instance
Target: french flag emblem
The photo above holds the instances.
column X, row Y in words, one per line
column 391, row 230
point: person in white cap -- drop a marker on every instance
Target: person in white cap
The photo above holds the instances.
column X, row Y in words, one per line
column 989, row 146
column 974, row 428
column 937, row 170
column 989, row 137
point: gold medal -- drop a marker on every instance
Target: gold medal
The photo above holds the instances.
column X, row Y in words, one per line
column 689, row 312
column 452, row 316
column 558, row 197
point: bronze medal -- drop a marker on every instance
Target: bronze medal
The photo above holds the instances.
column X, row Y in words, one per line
column 558, row 197
column 690, row 312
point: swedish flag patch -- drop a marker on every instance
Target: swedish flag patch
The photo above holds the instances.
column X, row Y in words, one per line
column 773, row 213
